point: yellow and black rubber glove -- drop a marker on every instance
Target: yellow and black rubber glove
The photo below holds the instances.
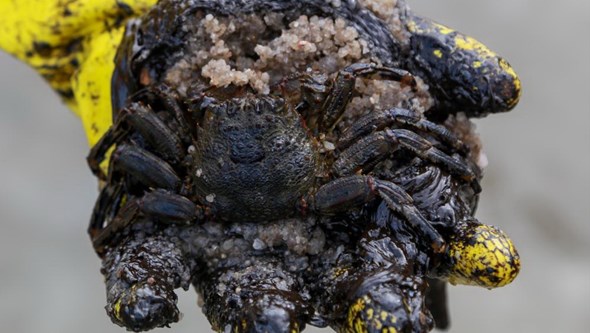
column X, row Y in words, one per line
column 72, row 44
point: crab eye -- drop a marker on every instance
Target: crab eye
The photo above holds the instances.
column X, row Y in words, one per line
column 482, row 255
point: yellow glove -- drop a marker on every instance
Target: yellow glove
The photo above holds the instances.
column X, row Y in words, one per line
column 72, row 44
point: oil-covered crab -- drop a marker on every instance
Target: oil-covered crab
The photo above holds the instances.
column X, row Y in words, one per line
column 296, row 179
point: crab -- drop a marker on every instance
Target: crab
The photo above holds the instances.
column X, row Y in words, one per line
column 280, row 207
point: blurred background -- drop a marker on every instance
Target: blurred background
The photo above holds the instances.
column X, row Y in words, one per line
column 536, row 188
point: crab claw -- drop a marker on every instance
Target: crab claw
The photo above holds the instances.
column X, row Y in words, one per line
column 481, row 255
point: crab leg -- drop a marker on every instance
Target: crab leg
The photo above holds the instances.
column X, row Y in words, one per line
column 159, row 205
column 165, row 95
column 98, row 152
column 343, row 87
column 105, row 208
column 340, row 194
column 379, row 145
column 156, row 133
column 376, row 121
column 143, row 166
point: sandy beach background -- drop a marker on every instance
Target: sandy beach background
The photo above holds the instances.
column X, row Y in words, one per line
column 536, row 188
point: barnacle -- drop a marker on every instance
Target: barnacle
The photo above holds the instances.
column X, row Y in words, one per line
column 298, row 162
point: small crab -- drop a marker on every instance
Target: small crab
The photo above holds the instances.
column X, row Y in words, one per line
column 282, row 209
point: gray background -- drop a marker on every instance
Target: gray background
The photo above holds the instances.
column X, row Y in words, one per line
column 536, row 187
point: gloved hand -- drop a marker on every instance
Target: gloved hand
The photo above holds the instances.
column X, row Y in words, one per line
column 355, row 251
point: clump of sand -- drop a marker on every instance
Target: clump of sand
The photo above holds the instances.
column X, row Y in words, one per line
column 259, row 51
